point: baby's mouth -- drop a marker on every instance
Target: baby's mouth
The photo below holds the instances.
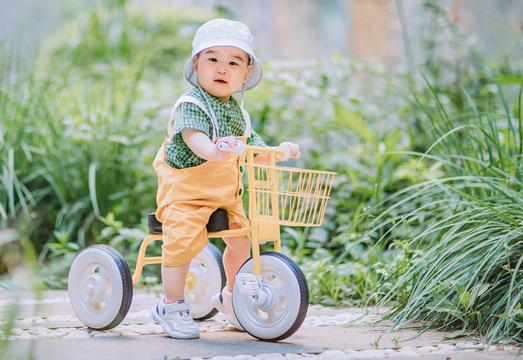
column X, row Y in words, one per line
column 221, row 81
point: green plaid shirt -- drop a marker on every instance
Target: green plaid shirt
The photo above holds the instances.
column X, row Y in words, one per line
column 189, row 116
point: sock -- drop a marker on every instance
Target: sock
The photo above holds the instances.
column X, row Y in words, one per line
column 227, row 298
column 162, row 301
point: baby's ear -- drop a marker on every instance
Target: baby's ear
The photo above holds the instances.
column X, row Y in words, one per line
column 248, row 72
column 195, row 61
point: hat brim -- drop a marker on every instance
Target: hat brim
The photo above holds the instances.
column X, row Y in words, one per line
column 254, row 77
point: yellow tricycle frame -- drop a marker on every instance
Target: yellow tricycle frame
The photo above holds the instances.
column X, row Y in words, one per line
column 277, row 196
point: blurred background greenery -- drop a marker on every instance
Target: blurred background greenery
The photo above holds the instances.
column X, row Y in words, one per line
column 416, row 104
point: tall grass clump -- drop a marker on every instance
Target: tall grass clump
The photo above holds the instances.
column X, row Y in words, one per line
column 69, row 151
column 465, row 271
column 20, row 105
column 72, row 152
column 80, row 126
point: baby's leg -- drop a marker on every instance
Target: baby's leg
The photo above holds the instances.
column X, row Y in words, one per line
column 173, row 280
column 184, row 236
column 237, row 251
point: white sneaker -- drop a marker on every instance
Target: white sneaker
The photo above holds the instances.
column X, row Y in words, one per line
column 223, row 303
column 175, row 319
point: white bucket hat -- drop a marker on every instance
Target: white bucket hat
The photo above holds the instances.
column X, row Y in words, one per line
column 223, row 32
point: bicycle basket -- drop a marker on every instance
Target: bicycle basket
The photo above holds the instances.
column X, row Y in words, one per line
column 289, row 196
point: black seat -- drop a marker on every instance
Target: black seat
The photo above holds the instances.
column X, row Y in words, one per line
column 218, row 221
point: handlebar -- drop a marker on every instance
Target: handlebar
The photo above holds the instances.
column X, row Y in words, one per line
column 254, row 149
column 265, row 149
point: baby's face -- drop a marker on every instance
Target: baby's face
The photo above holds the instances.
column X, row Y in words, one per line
column 222, row 70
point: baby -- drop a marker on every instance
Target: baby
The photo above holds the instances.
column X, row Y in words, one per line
column 196, row 177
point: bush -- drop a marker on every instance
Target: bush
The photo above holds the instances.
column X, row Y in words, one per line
column 467, row 273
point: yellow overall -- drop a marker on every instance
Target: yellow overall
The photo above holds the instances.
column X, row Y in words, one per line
column 187, row 197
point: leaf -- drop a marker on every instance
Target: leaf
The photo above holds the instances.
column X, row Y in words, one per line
column 454, row 335
column 328, row 302
column 443, row 305
column 133, row 233
column 509, row 79
column 464, row 299
column 92, row 188
column 296, row 236
column 73, row 246
column 354, row 122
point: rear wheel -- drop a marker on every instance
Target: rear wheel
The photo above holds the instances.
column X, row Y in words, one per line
column 100, row 287
column 205, row 278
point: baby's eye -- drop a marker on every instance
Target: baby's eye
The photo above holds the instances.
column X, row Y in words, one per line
column 213, row 59
column 233, row 63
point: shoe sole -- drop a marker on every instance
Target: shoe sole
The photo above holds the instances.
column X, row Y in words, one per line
column 168, row 330
column 218, row 305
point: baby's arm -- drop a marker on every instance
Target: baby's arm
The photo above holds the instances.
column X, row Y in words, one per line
column 201, row 145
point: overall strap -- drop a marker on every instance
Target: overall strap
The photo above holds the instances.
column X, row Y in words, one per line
column 245, row 114
column 193, row 100
column 247, row 120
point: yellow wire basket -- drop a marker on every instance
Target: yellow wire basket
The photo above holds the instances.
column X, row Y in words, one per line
column 289, row 196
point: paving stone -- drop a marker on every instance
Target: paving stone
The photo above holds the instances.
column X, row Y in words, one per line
column 333, row 354
column 331, row 334
column 426, row 350
column 293, row 357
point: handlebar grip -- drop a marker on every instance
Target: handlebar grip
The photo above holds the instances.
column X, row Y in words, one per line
column 237, row 150
column 265, row 149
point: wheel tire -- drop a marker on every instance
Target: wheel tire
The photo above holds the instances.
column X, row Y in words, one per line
column 100, row 287
column 209, row 279
column 284, row 313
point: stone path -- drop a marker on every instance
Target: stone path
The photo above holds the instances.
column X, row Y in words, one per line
column 48, row 329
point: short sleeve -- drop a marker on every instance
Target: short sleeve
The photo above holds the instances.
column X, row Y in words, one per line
column 255, row 139
column 190, row 116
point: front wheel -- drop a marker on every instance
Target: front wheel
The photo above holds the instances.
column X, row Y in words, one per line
column 285, row 294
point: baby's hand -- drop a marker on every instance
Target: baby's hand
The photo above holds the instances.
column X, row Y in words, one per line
column 230, row 145
column 230, row 140
column 292, row 151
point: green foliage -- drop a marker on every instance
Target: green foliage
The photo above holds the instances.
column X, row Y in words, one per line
column 362, row 280
column 72, row 140
column 122, row 35
column 457, row 72
column 320, row 105
column 79, row 130
column 60, row 158
column 467, row 275
column 376, row 343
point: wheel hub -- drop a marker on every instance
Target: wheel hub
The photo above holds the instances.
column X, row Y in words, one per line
column 266, row 298
column 191, row 281
column 94, row 288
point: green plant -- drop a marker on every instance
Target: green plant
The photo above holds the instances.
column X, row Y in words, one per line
column 111, row 36
column 356, row 282
column 376, row 343
column 76, row 123
column 466, row 274
column 396, row 342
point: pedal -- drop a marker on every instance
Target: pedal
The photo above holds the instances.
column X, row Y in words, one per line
column 250, row 285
